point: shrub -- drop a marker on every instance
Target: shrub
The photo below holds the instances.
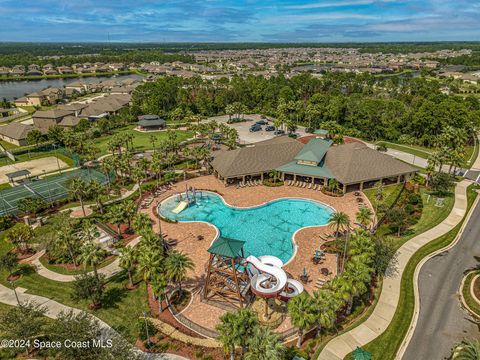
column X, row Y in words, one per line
column 6, row 222
column 382, row 148
column 414, row 199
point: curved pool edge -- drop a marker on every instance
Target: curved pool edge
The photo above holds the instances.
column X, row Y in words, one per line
column 217, row 230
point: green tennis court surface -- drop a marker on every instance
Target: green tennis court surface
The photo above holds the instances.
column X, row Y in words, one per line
column 50, row 189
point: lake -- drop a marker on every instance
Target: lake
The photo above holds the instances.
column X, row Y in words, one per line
column 15, row 89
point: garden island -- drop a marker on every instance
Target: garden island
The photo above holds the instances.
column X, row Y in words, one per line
column 247, row 217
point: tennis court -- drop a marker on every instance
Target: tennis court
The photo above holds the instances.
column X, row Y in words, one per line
column 50, row 189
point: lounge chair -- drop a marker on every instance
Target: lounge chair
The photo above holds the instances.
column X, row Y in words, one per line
column 304, row 185
column 310, row 185
column 287, row 182
column 315, row 187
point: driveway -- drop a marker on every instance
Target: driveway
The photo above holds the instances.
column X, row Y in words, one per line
column 244, row 134
column 442, row 322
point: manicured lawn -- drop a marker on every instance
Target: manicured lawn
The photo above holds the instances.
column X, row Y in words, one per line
column 471, row 302
column 411, row 149
column 141, row 140
column 431, row 215
column 386, row 345
column 7, row 146
column 390, row 192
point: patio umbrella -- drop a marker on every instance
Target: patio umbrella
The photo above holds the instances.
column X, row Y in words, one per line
column 360, row 354
column 305, row 272
column 316, row 254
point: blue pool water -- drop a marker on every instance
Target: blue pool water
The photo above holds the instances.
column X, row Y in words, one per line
column 266, row 230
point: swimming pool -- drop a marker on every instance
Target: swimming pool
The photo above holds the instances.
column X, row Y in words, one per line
column 266, row 229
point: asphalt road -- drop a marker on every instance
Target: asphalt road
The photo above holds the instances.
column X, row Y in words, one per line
column 442, row 322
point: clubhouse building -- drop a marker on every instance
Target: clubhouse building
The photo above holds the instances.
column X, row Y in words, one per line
column 353, row 165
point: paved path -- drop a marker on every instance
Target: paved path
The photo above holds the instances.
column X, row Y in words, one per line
column 383, row 313
column 54, row 308
column 108, row 270
column 442, row 322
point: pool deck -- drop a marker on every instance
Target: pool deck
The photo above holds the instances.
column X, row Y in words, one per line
column 308, row 239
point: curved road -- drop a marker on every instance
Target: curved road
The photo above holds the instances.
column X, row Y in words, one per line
column 442, row 322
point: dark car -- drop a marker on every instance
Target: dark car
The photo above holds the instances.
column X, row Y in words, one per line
column 309, row 130
column 279, row 132
column 255, row 127
column 262, row 122
column 270, row 128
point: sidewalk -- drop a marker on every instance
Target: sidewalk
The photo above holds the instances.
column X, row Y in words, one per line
column 385, row 309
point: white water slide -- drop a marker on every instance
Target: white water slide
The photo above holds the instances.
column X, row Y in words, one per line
column 269, row 280
column 180, row 207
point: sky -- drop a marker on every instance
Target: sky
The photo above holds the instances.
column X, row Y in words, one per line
column 239, row 21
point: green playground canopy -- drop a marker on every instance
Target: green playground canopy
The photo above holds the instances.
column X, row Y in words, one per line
column 360, row 354
column 227, row 247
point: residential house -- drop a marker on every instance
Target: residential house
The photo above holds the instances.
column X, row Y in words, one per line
column 45, row 119
column 15, row 133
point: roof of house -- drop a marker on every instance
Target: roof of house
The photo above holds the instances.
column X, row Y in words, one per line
column 152, row 122
column 356, row 162
column 148, row 117
column 227, row 247
column 52, row 114
column 262, row 157
column 69, row 121
column 314, row 150
column 15, row 130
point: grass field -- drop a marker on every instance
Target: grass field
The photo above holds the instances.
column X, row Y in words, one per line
column 386, row 345
column 81, row 269
column 32, row 155
column 141, row 140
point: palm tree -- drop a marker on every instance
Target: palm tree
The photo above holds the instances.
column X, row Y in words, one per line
column 67, row 240
column 78, row 189
column 340, row 221
column 128, row 261
column 226, row 335
column 364, row 217
column 159, row 285
column 359, row 275
column 157, row 165
column 142, row 223
column 138, row 175
column 92, row 254
column 129, row 211
column 325, row 308
column 116, row 216
column 177, row 265
column 265, row 345
column 98, row 192
column 301, row 312
column 467, row 350
column 88, row 231
column 149, row 263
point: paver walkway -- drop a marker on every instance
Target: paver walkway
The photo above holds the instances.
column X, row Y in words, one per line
column 54, row 308
column 384, row 311
column 108, row 270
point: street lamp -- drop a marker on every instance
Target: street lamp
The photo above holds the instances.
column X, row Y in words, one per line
column 146, row 327
column 12, row 284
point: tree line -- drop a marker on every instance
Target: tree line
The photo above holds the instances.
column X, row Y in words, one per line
column 357, row 105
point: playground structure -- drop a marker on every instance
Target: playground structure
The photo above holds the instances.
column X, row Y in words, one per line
column 233, row 278
column 186, row 199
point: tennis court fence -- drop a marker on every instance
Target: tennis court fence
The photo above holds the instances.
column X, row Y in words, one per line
column 50, row 189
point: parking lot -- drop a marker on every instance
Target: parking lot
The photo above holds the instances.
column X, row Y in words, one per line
column 243, row 129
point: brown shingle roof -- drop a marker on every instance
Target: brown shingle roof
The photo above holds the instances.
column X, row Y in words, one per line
column 52, row 114
column 355, row 162
column 261, row 157
column 15, row 130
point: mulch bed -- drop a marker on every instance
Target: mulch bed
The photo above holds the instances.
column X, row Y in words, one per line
column 69, row 266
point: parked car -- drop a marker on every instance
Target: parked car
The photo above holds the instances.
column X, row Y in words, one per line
column 262, row 122
column 279, row 132
column 309, row 130
column 255, row 127
column 270, row 128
